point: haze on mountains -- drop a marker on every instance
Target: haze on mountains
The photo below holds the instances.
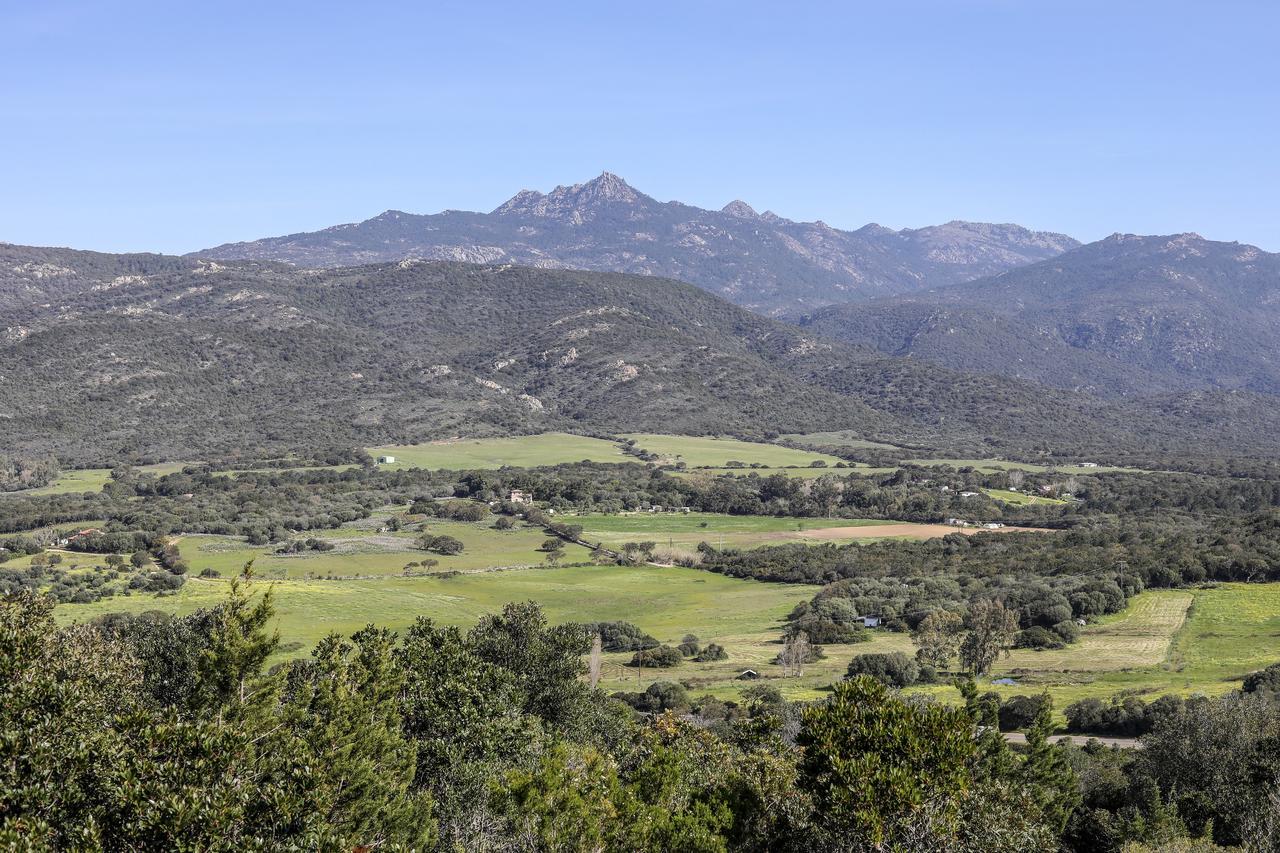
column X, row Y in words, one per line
column 108, row 357
column 1124, row 315
column 772, row 265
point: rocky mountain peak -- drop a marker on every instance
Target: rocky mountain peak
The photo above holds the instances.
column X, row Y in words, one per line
column 577, row 203
column 740, row 210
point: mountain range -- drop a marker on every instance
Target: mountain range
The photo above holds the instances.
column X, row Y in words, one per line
column 111, row 357
column 761, row 261
column 1125, row 315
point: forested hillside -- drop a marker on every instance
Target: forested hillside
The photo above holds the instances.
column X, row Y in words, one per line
column 137, row 357
column 1126, row 315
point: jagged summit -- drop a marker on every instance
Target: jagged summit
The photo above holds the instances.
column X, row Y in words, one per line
column 740, row 209
column 577, row 201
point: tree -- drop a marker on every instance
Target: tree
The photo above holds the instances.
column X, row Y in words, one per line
column 991, row 632
column 893, row 669
column 229, row 667
column 796, row 652
column 552, row 545
column 140, row 559
column 447, row 545
column 871, row 759
column 938, row 637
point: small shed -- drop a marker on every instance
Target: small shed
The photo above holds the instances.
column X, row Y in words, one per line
column 871, row 621
column 519, row 497
column 386, row 460
column 748, row 675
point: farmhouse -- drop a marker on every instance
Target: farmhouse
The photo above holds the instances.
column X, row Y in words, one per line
column 386, row 460
column 519, row 497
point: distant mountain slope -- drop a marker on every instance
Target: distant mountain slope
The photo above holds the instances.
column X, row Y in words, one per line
column 760, row 261
column 1125, row 315
column 111, row 358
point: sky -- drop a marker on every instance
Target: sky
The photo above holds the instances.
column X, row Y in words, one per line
column 170, row 127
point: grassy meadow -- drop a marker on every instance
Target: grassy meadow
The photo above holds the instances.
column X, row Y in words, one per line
column 525, row 451
column 704, row 452
column 1020, row 498
column 93, row 479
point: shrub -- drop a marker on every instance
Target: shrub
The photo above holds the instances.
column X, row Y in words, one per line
column 894, row 669
column 620, row 636
column 1036, row 637
column 210, row 573
column 1263, row 681
column 661, row 657
column 689, row 646
column 1019, row 712
column 712, row 652
column 660, row 696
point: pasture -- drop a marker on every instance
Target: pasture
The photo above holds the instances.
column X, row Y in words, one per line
column 526, row 451
column 667, row 602
column 992, row 466
column 77, row 480
column 1021, row 498
column 364, row 550
column 705, row 452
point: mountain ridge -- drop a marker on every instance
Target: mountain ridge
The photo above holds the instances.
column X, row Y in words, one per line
column 1128, row 314
column 762, row 261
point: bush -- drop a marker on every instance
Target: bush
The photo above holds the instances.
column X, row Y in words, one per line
column 1121, row 717
column 661, row 696
column 1019, row 712
column 689, row 646
column 894, row 669
column 210, row 573
column 1068, row 630
column 620, row 636
column 662, row 657
column 1036, row 637
column 713, row 652
column 1263, row 681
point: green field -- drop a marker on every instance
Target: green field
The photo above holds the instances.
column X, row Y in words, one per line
column 667, row 602
column 799, row 473
column 991, row 466
column 363, row 551
column 1167, row 641
column 526, row 451
column 704, row 452
column 93, row 479
column 1020, row 498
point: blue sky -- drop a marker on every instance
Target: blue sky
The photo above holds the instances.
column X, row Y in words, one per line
column 176, row 126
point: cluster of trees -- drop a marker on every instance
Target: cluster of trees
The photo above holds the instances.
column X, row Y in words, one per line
column 27, row 473
column 1047, row 581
